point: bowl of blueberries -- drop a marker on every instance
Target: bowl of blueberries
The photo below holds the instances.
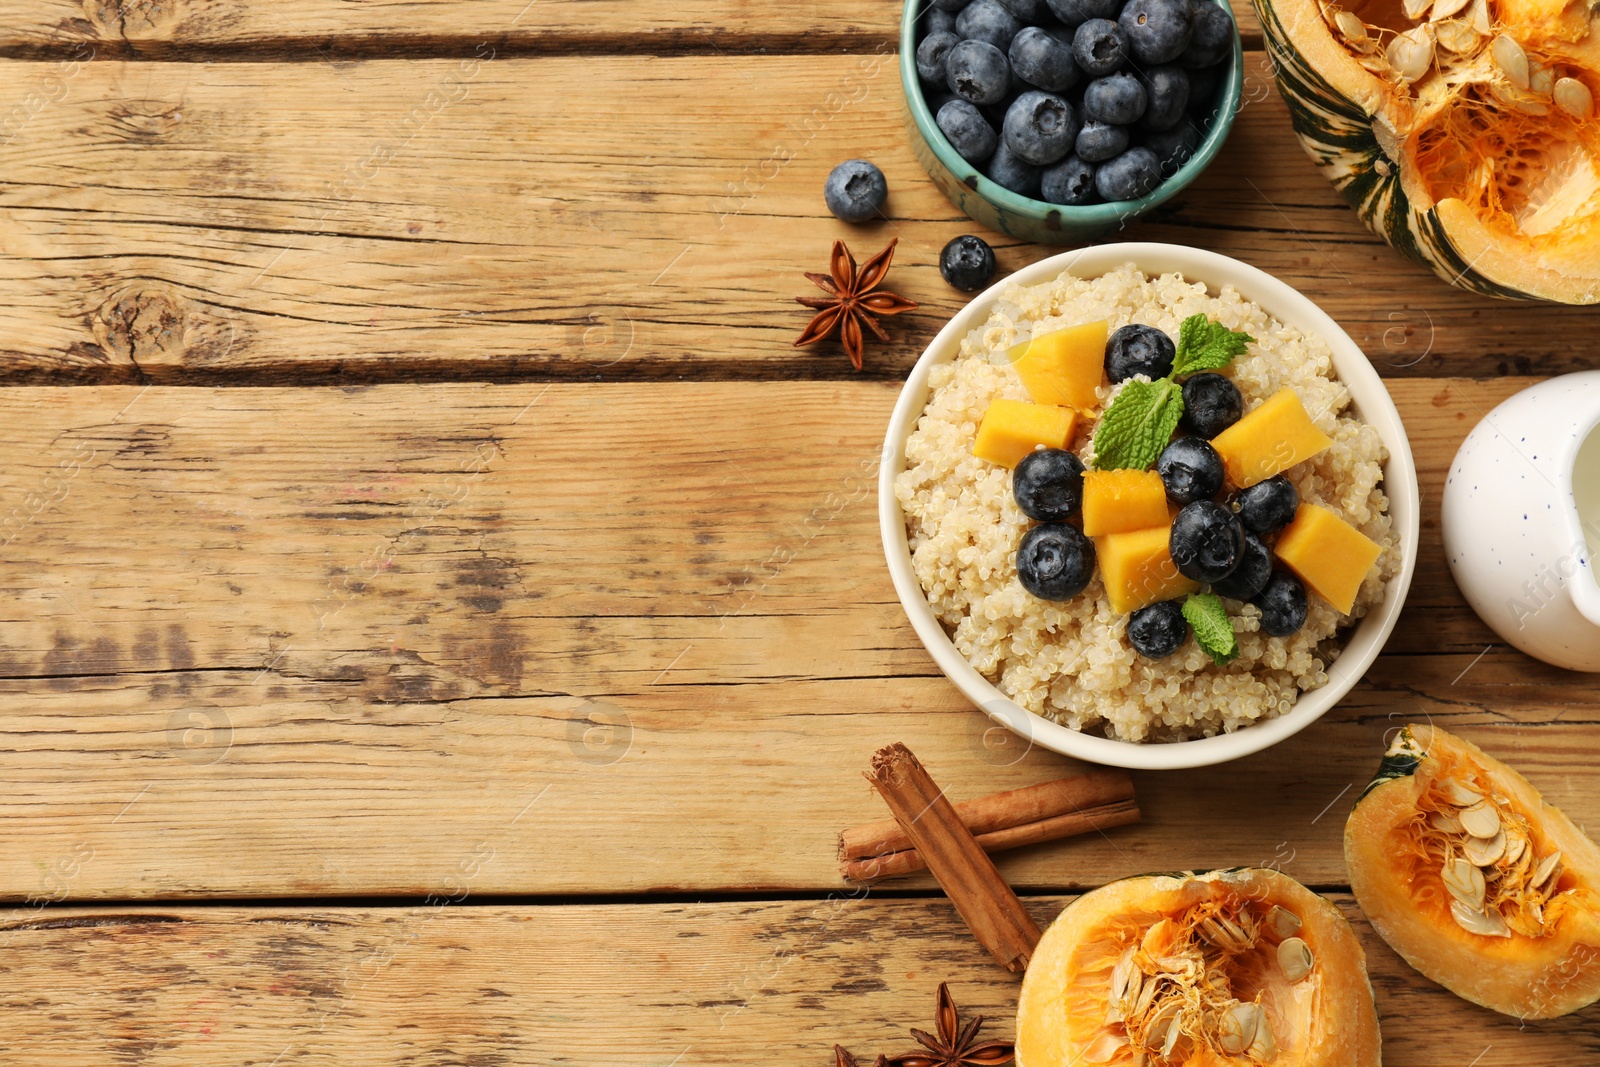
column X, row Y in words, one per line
column 1058, row 121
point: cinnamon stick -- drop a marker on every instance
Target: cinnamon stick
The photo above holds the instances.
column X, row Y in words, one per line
column 1096, row 787
column 907, row 860
column 967, row 874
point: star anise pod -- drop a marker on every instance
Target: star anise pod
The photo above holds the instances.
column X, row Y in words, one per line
column 953, row 1047
column 851, row 302
column 843, row 1058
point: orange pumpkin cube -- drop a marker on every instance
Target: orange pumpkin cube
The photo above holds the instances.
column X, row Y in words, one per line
column 1012, row 428
column 1330, row 556
column 1116, row 501
column 1137, row 569
column 1064, row 366
column 1269, row 440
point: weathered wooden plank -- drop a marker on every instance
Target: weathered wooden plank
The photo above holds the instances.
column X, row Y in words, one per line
column 638, row 985
column 188, row 27
column 178, row 222
column 309, row 641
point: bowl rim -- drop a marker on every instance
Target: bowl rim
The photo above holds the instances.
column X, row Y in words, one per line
column 1371, row 400
column 1105, row 214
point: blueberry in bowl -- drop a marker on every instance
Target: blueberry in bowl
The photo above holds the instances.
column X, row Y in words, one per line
column 1080, row 114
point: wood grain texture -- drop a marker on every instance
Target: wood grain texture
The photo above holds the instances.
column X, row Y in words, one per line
column 636, row 985
column 322, row 641
column 395, row 220
column 288, row 27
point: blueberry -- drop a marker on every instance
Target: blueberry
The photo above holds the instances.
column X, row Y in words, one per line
column 1100, row 47
column 977, row 72
column 1009, row 171
column 1026, row 11
column 967, row 263
column 1173, row 148
column 1252, row 573
column 1167, row 90
column 1117, row 99
column 1139, row 349
column 1207, row 541
column 1098, row 141
column 986, row 20
column 1040, row 128
column 1129, row 176
column 1158, row 30
column 855, row 190
column 951, row 6
column 1282, row 604
column 1042, row 59
column 1069, row 182
column 1268, row 506
column 1055, row 561
column 931, row 55
column 937, row 20
column 967, row 130
column 1159, row 630
column 1075, row 13
column 1212, row 38
column 1211, row 403
column 1048, row 484
column 1203, row 90
column 1191, row 470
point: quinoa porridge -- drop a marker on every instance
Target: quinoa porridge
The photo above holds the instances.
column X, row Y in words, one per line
column 1070, row 660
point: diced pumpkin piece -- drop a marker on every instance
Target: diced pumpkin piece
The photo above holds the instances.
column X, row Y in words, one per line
column 1269, row 440
column 1137, row 569
column 1329, row 555
column 1120, row 500
column 1012, row 428
column 1064, row 366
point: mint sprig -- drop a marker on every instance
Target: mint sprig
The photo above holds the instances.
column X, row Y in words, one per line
column 1138, row 424
column 1143, row 417
column 1206, row 345
column 1212, row 629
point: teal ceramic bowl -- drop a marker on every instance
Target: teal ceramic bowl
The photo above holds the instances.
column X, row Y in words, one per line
column 1035, row 220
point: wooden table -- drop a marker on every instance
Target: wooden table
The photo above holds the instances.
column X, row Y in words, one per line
column 444, row 621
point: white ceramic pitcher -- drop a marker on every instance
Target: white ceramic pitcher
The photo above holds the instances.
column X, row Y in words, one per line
column 1521, row 520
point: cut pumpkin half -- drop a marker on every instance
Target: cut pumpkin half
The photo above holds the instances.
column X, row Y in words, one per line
column 1242, row 966
column 1478, row 883
column 1465, row 132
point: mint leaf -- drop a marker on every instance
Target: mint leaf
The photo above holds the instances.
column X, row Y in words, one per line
column 1206, row 345
column 1213, row 631
column 1138, row 424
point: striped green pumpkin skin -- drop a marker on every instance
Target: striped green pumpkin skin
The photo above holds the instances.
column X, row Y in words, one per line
column 1338, row 136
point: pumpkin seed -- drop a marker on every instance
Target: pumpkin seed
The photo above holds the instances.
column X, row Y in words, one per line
column 1481, row 820
column 1237, row 1027
column 1283, row 922
column 1444, row 9
column 1415, row 9
column 1457, row 37
column 1515, row 844
column 1295, row 959
column 1549, row 870
column 1105, row 1048
column 1485, row 852
column 1351, row 27
column 1460, row 795
column 1174, row 1032
column 1146, row 995
column 1479, row 17
column 1489, row 924
column 1445, row 822
column 1464, row 881
column 1165, row 1019
column 1573, row 97
column 1263, row 1046
column 1126, row 982
column 1511, row 59
column 1411, row 53
column 1541, row 79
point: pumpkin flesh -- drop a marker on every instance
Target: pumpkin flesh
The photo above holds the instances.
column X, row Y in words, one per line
column 1528, row 944
column 1189, row 969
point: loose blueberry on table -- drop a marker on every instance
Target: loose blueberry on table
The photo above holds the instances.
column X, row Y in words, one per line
column 967, row 263
column 1082, row 101
column 855, row 191
column 1173, row 436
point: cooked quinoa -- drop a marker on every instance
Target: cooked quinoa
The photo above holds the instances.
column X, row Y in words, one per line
column 1070, row 660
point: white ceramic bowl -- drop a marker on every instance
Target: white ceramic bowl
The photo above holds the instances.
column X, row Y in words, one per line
column 1372, row 402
